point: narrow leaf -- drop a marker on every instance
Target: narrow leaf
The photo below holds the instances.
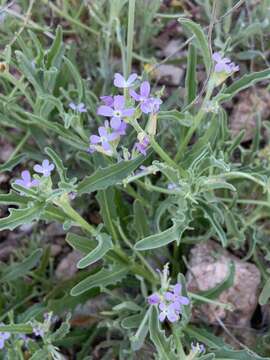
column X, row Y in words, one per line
column 111, row 175
column 104, row 245
column 102, row 278
column 191, row 81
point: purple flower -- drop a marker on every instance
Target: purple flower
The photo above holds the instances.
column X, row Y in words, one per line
column 3, row 337
column 168, row 311
column 148, row 104
column 80, row 107
column 171, row 186
column 120, row 82
column 142, row 145
column 224, row 64
column 176, row 298
column 117, row 111
column 107, row 100
column 45, row 168
column 105, row 137
column 153, row 299
column 26, row 180
column 198, row 347
column 38, row 331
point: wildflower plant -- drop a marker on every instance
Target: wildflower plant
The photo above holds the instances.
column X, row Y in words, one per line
column 162, row 177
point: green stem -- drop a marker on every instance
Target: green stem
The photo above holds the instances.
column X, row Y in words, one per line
column 138, row 254
column 20, row 145
column 238, row 174
column 179, row 346
column 196, row 123
column 63, row 203
column 130, row 34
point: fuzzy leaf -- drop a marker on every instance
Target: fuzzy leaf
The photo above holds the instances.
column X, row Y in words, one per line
column 21, row 269
column 102, row 278
column 111, row 175
column 265, row 293
column 243, row 83
column 191, row 81
column 10, row 164
column 201, row 40
column 22, row 216
column 104, row 245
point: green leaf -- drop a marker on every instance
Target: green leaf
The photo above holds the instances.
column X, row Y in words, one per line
column 141, row 225
column 13, row 198
column 29, row 71
column 62, row 331
column 106, row 200
column 265, row 293
column 104, row 245
column 17, row 328
column 108, row 176
column 201, row 41
column 174, row 233
column 19, row 270
column 80, row 243
column 222, row 286
column 76, row 76
column 56, row 51
column 174, row 115
column 191, row 81
column 138, row 339
column 210, row 213
column 241, row 84
column 132, row 321
column 62, row 171
column 22, row 216
column 227, row 354
column 10, row 164
column 102, row 278
column 162, row 343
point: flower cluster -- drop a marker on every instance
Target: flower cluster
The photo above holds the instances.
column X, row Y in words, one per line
column 224, row 64
column 80, row 108
column 169, row 303
column 119, row 112
column 26, row 181
column 169, row 299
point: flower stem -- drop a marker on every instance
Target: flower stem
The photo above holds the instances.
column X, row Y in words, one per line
column 130, row 34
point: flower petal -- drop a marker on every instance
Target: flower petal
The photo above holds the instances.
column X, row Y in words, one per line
column 162, row 316
column 26, row 176
column 108, row 100
column 134, row 95
column 145, row 89
column 105, row 110
column 106, row 146
column 184, row 300
column 216, row 56
column 38, row 168
column 112, row 136
column 102, row 131
column 118, row 102
column 94, row 139
column 115, row 122
column 119, row 81
column 128, row 112
column 131, row 79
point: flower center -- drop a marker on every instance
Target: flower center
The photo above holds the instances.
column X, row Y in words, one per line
column 117, row 113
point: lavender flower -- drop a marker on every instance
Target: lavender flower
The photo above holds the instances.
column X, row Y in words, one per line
column 38, row 331
column 224, row 64
column 200, row 348
column 117, row 111
column 142, row 145
column 147, row 104
column 107, row 100
column 45, row 168
column 120, row 82
column 3, row 337
column 105, row 137
column 175, row 297
column 26, row 180
column 169, row 311
column 153, row 299
column 78, row 107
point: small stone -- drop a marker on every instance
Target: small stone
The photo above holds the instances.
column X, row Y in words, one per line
column 208, row 267
column 169, row 74
column 67, row 266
